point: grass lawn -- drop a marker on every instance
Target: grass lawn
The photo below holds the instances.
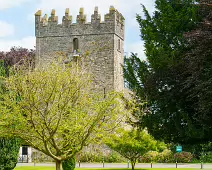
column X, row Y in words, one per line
column 53, row 168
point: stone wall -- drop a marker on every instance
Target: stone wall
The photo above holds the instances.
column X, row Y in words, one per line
column 102, row 40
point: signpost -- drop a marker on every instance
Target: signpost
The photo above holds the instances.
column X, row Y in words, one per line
column 179, row 148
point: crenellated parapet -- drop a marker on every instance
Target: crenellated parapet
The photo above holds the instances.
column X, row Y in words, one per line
column 67, row 19
column 81, row 18
column 206, row 1
column 96, row 17
column 48, row 26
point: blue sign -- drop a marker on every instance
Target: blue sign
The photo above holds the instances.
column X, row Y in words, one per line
column 179, row 148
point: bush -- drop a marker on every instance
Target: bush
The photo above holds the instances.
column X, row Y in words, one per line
column 114, row 157
column 94, row 153
column 183, row 157
column 151, row 156
column 69, row 164
column 166, row 156
column 206, row 157
column 110, row 157
column 90, row 157
column 9, row 150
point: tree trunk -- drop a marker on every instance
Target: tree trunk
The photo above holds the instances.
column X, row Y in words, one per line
column 59, row 165
column 132, row 164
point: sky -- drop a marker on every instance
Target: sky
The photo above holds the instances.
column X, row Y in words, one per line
column 17, row 19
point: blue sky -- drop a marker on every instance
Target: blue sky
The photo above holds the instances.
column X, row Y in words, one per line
column 17, row 19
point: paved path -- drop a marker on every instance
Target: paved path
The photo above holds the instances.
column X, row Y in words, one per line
column 122, row 165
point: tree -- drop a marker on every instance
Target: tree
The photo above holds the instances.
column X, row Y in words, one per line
column 176, row 77
column 9, row 149
column 9, row 146
column 54, row 110
column 133, row 143
column 17, row 56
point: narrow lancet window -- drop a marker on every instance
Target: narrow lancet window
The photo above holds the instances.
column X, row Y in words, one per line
column 119, row 44
column 76, row 44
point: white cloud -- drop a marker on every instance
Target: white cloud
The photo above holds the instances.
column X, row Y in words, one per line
column 26, row 42
column 6, row 29
column 4, row 4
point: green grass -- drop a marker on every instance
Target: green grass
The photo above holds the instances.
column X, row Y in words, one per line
column 53, row 168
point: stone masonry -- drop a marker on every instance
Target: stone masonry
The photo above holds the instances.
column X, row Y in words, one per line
column 102, row 40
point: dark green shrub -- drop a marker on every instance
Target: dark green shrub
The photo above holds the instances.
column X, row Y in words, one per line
column 69, row 164
column 195, row 160
column 9, row 150
column 183, row 157
column 206, row 157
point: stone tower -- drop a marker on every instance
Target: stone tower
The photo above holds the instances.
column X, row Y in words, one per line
column 206, row 1
column 104, row 40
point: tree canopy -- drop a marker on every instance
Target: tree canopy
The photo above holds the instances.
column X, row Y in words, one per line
column 18, row 55
column 9, row 146
column 54, row 110
column 134, row 143
column 176, row 78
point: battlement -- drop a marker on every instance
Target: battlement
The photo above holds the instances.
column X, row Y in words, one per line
column 113, row 22
column 103, row 40
column 206, row 1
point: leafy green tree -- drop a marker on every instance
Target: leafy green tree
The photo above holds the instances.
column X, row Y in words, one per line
column 9, row 150
column 9, row 146
column 54, row 110
column 132, row 144
column 175, row 80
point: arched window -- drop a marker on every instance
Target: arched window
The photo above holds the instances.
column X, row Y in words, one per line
column 76, row 44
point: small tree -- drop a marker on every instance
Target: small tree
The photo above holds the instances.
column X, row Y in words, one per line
column 54, row 110
column 9, row 149
column 132, row 144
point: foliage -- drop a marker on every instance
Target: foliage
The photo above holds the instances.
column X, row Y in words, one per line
column 39, row 157
column 114, row 157
column 176, row 78
column 151, row 156
column 69, row 164
column 132, row 144
column 9, row 150
column 206, row 157
column 99, row 156
column 166, row 156
column 183, row 157
column 17, row 56
column 9, row 147
column 54, row 110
